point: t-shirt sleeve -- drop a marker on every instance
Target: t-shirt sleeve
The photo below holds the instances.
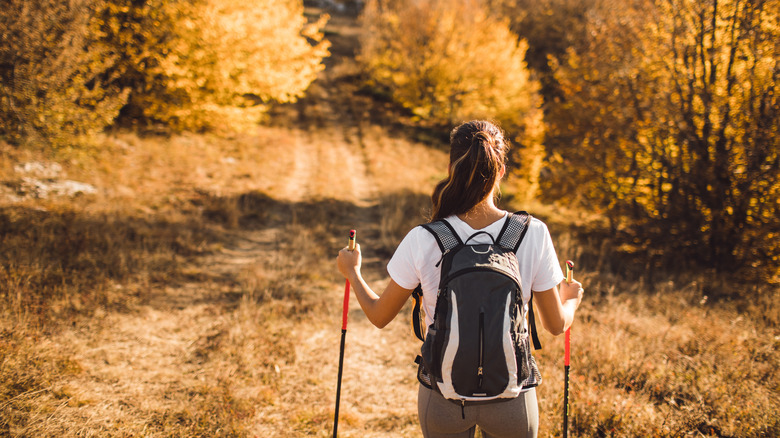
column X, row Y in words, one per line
column 402, row 266
column 548, row 271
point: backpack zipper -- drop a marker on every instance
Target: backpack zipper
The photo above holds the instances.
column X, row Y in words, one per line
column 442, row 258
column 481, row 347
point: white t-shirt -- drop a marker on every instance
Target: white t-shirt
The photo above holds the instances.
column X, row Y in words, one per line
column 415, row 259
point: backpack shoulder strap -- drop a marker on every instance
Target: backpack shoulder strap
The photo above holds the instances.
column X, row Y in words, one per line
column 447, row 239
column 511, row 236
column 514, row 230
column 532, row 324
column 445, row 235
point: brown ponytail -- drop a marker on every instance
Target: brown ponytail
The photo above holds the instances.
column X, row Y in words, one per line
column 478, row 152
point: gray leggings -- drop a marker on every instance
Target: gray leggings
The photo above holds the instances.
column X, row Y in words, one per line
column 441, row 418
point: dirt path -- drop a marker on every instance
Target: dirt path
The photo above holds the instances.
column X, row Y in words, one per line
column 379, row 386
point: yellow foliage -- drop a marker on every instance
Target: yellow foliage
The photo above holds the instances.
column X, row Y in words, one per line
column 449, row 61
column 670, row 111
column 233, row 54
column 209, row 64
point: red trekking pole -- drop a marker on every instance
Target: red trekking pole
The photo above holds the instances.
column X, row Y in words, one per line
column 344, row 313
column 566, row 358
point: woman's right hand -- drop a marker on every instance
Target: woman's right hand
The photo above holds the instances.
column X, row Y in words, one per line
column 349, row 261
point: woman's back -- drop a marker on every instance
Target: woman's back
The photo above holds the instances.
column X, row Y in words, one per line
column 415, row 260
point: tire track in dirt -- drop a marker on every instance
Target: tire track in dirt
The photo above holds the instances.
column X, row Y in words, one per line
column 298, row 184
column 379, row 385
column 328, row 164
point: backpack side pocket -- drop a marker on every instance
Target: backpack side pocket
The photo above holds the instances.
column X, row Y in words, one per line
column 523, row 357
column 431, row 352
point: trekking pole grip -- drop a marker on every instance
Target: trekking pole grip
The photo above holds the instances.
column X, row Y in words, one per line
column 345, row 312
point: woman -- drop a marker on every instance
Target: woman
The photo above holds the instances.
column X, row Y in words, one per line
column 466, row 199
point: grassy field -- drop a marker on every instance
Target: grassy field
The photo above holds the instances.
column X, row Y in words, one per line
column 195, row 293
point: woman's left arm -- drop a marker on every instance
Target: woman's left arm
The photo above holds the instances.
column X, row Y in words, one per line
column 556, row 310
column 380, row 309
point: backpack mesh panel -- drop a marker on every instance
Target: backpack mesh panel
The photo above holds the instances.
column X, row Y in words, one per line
column 514, row 231
column 445, row 234
column 423, row 376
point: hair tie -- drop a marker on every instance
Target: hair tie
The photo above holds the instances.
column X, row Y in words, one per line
column 482, row 139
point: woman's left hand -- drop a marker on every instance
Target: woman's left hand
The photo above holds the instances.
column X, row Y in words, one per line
column 349, row 262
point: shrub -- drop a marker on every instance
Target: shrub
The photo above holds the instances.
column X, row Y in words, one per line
column 670, row 112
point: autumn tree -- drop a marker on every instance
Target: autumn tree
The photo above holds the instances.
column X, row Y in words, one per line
column 450, row 61
column 68, row 68
column 54, row 85
column 210, row 63
column 669, row 117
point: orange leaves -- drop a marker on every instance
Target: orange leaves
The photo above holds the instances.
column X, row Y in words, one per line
column 665, row 104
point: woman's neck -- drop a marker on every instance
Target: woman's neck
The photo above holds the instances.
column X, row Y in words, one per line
column 482, row 214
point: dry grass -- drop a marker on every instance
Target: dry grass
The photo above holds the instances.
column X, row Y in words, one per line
column 660, row 352
column 177, row 300
column 81, row 274
column 667, row 363
column 238, row 306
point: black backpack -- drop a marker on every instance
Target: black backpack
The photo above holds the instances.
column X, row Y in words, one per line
column 478, row 347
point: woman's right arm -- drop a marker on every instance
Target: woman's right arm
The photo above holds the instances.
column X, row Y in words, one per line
column 556, row 310
column 380, row 309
